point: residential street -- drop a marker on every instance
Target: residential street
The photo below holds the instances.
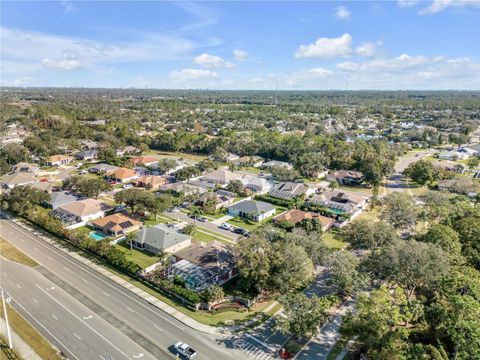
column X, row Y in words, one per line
column 127, row 313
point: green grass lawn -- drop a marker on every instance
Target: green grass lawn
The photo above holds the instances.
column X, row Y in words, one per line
column 334, row 240
column 150, row 220
column 246, row 224
column 140, row 257
column 83, row 229
column 178, row 155
column 215, row 216
column 201, row 236
column 10, row 252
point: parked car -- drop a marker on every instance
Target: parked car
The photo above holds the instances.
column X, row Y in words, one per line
column 185, row 350
column 127, row 186
column 226, row 226
column 241, row 231
column 202, row 219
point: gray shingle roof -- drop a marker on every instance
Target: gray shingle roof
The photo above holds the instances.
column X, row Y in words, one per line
column 160, row 237
column 252, row 207
column 60, row 198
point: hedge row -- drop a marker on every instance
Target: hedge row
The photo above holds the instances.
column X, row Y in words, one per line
column 274, row 201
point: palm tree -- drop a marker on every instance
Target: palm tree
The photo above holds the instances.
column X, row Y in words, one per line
column 333, row 185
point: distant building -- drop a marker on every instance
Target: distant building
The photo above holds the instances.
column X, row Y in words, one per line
column 26, row 168
column 86, row 155
column 12, row 180
column 58, row 160
column 149, row 161
column 220, row 177
column 275, row 163
column 102, row 168
column 346, row 177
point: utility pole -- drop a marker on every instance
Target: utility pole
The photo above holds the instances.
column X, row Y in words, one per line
column 6, row 320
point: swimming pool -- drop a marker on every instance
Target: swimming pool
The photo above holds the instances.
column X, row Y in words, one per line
column 97, row 236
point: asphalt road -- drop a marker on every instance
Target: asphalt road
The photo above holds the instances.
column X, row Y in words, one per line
column 152, row 329
column 396, row 181
column 65, row 322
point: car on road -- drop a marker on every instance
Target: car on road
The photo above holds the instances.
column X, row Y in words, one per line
column 202, row 219
column 241, row 231
column 185, row 350
column 127, row 186
column 226, row 226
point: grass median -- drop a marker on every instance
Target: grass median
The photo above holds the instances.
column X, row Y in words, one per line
column 30, row 335
column 8, row 251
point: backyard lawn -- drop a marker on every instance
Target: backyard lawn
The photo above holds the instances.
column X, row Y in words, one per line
column 334, row 240
column 140, row 257
column 150, row 220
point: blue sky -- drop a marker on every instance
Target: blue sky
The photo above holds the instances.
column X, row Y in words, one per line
column 404, row 44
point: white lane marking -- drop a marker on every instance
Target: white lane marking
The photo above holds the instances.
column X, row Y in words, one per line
column 87, row 317
column 48, row 331
column 85, row 280
column 106, row 294
column 101, row 357
column 130, row 309
column 35, row 300
column 157, row 327
column 115, row 286
column 78, row 337
column 54, row 316
column 35, row 248
column 260, row 342
column 50, row 288
column 18, row 286
column 91, row 328
column 49, row 258
column 66, row 268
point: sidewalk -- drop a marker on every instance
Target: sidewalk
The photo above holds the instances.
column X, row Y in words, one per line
column 320, row 346
column 21, row 347
column 188, row 321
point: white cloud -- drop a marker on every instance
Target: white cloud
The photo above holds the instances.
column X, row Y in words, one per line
column 22, row 81
column 408, row 3
column 67, row 6
column 240, row 55
column 336, row 47
column 342, row 13
column 366, row 49
column 212, row 61
column 440, row 5
column 319, row 72
column 63, row 64
column 189, row 74
column 62, row 52
column 326, row 48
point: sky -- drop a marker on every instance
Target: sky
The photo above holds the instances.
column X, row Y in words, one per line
column 288, row 45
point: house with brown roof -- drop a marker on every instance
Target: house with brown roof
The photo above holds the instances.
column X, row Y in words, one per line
column 152, row 182
column 122, row 175
column 346, row 177
column 57, row 160
column 295, row 216
column 144, row 161
column 79, row 212
column 115, row 225
column 203, row 264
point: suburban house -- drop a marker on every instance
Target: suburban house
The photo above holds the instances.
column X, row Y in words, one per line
column 231, row 157
column 115, row 225
column 122, row 175
column 182, row 188
column 89, row 144
column 253, row 161
column 26, row 168
column 60, row 198
column 127, row 150
column 291, row 190
column 275, row 163
column 12, row 180
column 461, row 185
column 57, row 160
column 345, row 177
column 161, row 239
column 86, row 155
column 149, row 161
column 460, row 154
column 252, row 210
column 203, row 264
column 151, row 182
column 295, row 216
column 256, row 184
column 449, row 166
column 44, row 186
column 341, row 202
column 102, row 168
column 220, row 176
column 221, row 198
column 79, row 212
column 474, row 149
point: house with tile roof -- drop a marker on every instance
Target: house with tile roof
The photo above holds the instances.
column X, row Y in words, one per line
column 220, row 176
column 122, row 175
column 79, row 212
column 291, row 190
column 12, row 180
column 149, row 161
column 115, row 225
column 151, row 182
column 57, row 160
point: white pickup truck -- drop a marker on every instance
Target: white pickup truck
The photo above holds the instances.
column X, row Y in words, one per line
column 185, row 350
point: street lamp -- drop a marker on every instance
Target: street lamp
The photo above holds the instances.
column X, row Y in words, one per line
column 9, row 335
